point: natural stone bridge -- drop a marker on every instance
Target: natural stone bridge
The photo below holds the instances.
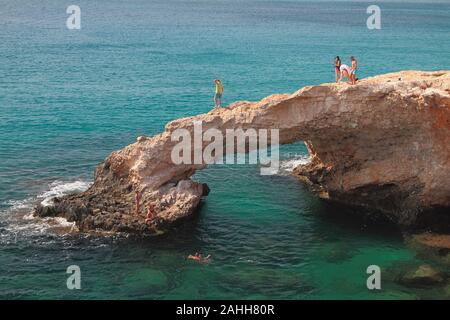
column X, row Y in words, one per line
column 382, row 144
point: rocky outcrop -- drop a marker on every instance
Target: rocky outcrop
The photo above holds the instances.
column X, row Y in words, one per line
column 431, row 247
column 424, row 275
column 382, row 144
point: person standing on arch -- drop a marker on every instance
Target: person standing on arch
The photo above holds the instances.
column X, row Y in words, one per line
column 337, row 67
column 218, row 94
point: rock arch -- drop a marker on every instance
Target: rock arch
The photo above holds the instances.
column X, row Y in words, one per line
column 381, row 144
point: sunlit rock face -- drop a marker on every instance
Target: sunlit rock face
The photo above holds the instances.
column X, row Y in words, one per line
column 389, row 150
column 382, row 144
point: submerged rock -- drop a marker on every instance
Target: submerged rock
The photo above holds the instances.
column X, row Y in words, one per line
column 435, row 241
column 337, row 252
column 382, row 144
column 447, row 292
column 431, row 246
column 424, row 275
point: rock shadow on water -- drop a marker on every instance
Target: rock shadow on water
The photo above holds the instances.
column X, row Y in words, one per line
column 356, row 218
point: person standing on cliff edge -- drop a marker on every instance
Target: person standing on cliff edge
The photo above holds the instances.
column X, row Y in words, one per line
column 353, row 70
column 337, row 67
column 218, row 95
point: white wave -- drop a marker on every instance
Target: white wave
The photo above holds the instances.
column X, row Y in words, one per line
column 291, row 164
column 19, row 223
column 16, row 205
column 57, row 188
column 36, row 226
column 59, row 221
column 61, row 188
column 287, row 166
column 28, row 216
column 20, row 219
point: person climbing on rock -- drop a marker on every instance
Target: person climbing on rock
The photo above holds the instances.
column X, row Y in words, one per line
column 137, row 202
column 218, row 95
column 345, row 72
column 151, row 214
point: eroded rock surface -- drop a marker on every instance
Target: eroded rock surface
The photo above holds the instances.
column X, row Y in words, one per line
column 424, row 275
column 382, row 144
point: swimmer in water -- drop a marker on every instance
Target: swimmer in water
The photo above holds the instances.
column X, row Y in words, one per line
column 199, row 258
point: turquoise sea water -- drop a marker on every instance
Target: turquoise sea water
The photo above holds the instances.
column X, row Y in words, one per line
column 70, row 97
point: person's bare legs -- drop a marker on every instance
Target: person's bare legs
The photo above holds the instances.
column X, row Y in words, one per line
column 344, row 73
column 217, row 101
column 349, row 77
column 337, row 74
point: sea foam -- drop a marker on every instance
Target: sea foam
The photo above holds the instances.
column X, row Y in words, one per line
column 291, row 164
column 59, row 188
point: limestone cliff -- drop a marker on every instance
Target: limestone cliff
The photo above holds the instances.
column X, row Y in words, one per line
column 382, row 144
